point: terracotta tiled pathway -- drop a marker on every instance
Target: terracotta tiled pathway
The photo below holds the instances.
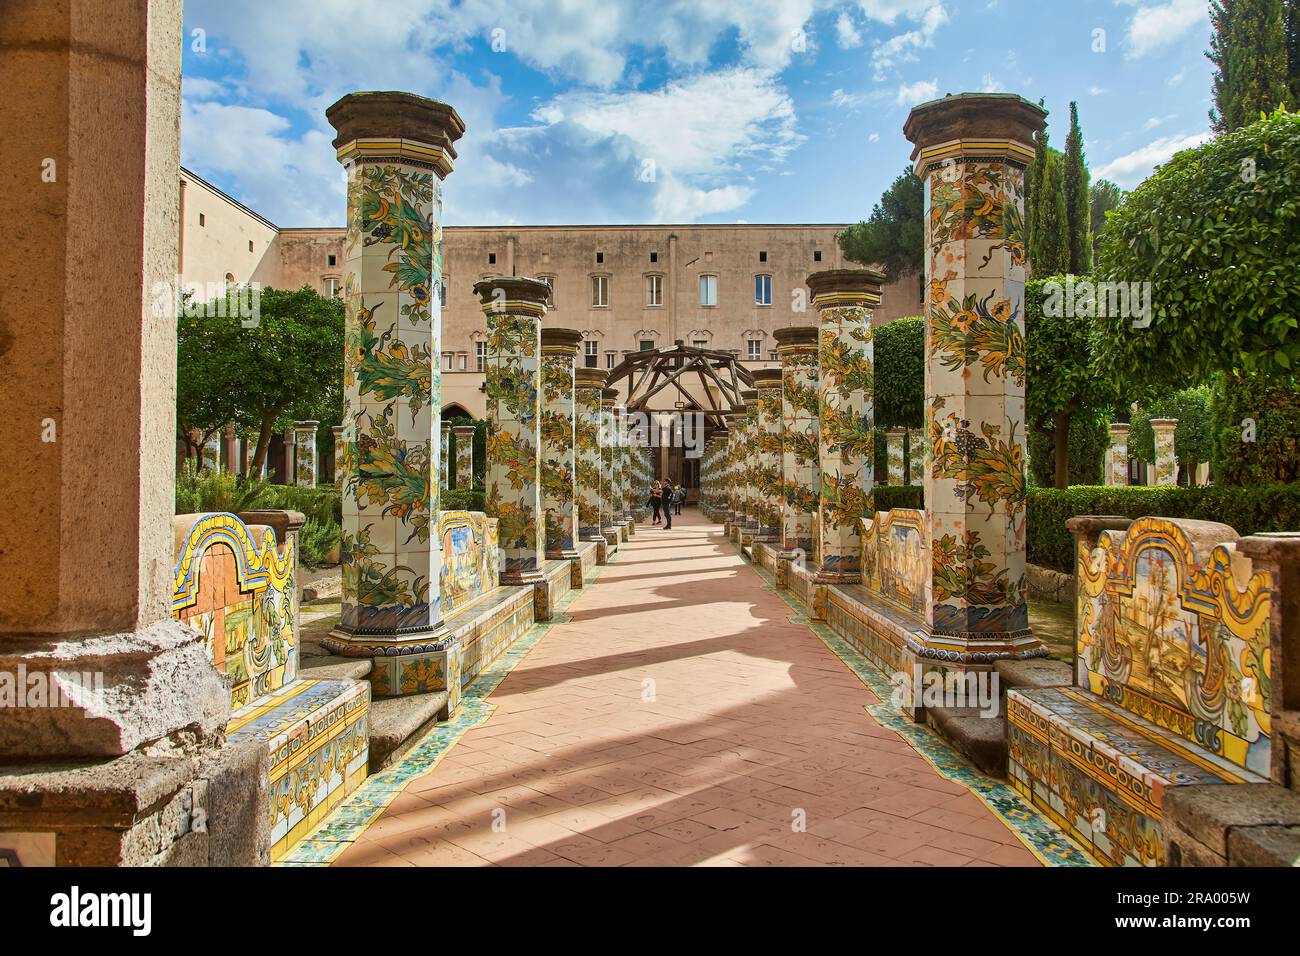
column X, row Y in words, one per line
column 679, row 718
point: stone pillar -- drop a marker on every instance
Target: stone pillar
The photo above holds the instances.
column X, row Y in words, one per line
column 464, row 456
column 894, row 454
column 1117, row 474
column 1166, row 463
column 844, row 300
column 588, row 384
column 396, row 149
column 514, row 307
column 559, row 441
column 88, row 448
column 767, row 448
column 340, row 465
column 747, row 464
column 623, row 465
column 444, row 450
column 305, row 464
column 916, row 456
column 971, row 152
column 610, row 493
column 797, row 349
column 229, row 450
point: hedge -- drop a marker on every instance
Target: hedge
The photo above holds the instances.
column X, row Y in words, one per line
column 462, row 499
column 1251, row 510
column 889, row 497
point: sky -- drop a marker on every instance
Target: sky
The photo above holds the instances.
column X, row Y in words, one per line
column 628, row 111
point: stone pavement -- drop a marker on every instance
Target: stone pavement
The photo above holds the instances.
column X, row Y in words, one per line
column 679, row 718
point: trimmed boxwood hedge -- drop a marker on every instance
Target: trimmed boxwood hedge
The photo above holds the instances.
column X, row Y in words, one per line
column 889, row 497
column 461, row 499
column 1274, row 507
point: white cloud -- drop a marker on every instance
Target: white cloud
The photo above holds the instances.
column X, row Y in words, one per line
column 846, row 34
column 1096, row 91
column 929, row 15
column 991, row 84
column 910, row 94
column 1156, row 25
column 847, row 101
column 1155, row 121
column 1130, row 169
column 1177, row 78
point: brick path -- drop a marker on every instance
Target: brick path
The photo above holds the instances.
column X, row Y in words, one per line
column 681, row 719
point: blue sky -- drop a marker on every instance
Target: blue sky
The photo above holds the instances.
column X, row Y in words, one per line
column 622, row 111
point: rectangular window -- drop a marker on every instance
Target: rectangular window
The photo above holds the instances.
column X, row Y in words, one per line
column 480, row 356
column 708, row 290
column 446, row 361
column 442, row 292
column 599, row 291
column 654, row 290
column 202, row 220
column 754, row 350
column 609, row 360
column 492, row 258
column 600, row 258
column 590, row 354
column 654, row 257
column 333, row 260
column 647, row 345
column 330, row 287
column 817, row 256
column 762, row 257
column 762, row 290
column 460, row 361
column 701, row 343
column 250, row 245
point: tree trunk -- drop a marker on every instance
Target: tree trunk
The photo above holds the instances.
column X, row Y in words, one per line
column 263, row 441
column 1061, row 446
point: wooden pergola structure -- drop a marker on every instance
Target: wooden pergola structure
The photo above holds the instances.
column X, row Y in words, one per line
column 715, row 377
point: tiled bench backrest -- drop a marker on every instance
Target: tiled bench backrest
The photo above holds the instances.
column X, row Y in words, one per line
column 1173, row 625
column 896, row 559
column 469, row 557
column 235, row 584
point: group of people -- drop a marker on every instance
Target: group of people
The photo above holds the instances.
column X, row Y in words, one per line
column 665, row 498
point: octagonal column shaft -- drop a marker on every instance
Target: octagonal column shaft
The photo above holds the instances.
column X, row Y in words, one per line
column 588, row 384
column 1166, row 463
column 514, row 308
column 971, row 152
column 397, row 149
column 305, row 466
column 844, row 300
column 559, row 441
column 608, row 437
column 767, row 449
column 747, row 464
column 444, row 449
column 464, row 456
column 894, row 456
column 1117, row 474
column 800, row 479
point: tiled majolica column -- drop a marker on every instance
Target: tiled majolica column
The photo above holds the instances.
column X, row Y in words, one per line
column 971, row 152
column 767, row 448
column 747, row 464
column 444, row 450
column 514, row 307
column 1166, row 463
column 464, row 456
column 894, row 456
column 844, row 300
column 1118, row 460
column 397, row 149
column 610, row 490
column 588, row 384
column 304, row 455
column 339, row 465
column 800, row 480
column 915, row 472
column 622, row 507
column 559, row 441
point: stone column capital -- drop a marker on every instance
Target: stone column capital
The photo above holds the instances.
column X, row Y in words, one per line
column 562, row 342
column 991, row 126
column 588, row 377
column 767, row 378
column 512, row 295
column 845, row 288
column 1165, row 423
column 400, row 127
column 463, row 430
column 608, row 396
column 794, row 339
column 1119, row 428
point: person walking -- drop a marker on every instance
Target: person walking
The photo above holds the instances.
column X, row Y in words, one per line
column 679, row 498
column 656, row 498
column 666, row 493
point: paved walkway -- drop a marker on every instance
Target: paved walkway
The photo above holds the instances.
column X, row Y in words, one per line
column 680, row 718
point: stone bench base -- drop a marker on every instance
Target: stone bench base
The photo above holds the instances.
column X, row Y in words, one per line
column 1101, row 772
column 316, row 735
column 557, row 581
column 584, row 565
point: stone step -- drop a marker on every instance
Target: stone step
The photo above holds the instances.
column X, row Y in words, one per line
column 981, row 740
column 330, row 667
column 397, row 724
column 1033, row 674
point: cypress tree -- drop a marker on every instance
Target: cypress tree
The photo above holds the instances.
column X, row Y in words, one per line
column 1291, row 24
column 1053, row 220
column 1078, row 215
column 1248, row 48
column 1033, row 189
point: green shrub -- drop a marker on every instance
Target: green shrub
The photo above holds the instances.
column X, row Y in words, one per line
column 899, row 356
column 461, row 499
column 1273, row 406
column 318, row 542
column 889, row 497
column 1274, row 507
column 1193, row 436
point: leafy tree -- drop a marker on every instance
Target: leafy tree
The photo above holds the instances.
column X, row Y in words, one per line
column 900, row 373
column 1077, row 198
column 1255, row 422
column 1248, row 48
column 205, row 398
column 1193, row 438
column 1291, row 23
column 1089, row 438
column 894, row 237
column 1049, row 242
column 1104, row 197
column 289, row 366
column 1060, row 380
column 1215, row 233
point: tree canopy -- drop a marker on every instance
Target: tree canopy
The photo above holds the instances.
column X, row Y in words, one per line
column 894, row 237
column 1249, row 49
column 1216, row 233
column 900, row 373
